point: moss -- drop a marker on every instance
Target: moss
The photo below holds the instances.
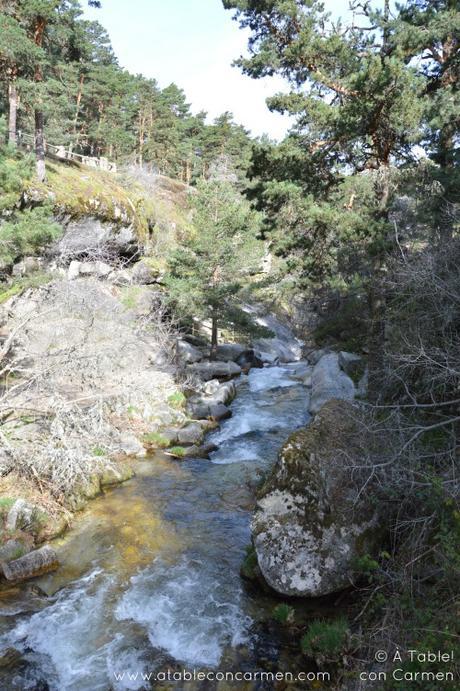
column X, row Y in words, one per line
column 249, row 567
column 98, row 451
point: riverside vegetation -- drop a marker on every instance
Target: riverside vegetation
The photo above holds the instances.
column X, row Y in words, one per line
column 118, row 288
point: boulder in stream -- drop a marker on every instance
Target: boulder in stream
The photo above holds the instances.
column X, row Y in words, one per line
column 215, row 369
column 311, row 524
column 36, row 563
column 329, row 382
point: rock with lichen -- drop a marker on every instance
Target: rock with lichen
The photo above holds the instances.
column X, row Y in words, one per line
column 311, row 523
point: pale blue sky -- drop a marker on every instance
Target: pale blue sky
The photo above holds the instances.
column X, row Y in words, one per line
column 193, row 43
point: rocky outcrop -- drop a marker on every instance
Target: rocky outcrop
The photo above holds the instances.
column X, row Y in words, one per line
column 280, row 344
column 311, row 524
column 93, row 237
column 328, row 382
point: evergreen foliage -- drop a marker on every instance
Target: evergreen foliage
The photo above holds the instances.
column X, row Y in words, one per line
column 210, row 267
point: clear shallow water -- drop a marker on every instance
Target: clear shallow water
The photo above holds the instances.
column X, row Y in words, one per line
column 156, row 562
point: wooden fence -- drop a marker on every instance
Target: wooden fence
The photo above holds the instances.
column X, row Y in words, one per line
column 63, row 154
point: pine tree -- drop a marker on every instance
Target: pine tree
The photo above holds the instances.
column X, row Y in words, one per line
column 429, row 30
column 208, row 270
column 357, row 104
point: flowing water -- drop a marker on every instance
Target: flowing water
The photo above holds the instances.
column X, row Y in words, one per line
column 153, row 566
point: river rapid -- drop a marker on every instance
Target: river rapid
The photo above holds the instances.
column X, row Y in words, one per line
column 151, row 577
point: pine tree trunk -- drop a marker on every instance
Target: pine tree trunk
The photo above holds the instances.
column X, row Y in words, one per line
column 13, row 100
column 77, row 113
column 39, row 30
column 376, row 295
column 213, row 353
column 376, row 331
column 40, row 145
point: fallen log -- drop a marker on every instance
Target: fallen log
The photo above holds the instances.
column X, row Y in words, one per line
column 36, row 563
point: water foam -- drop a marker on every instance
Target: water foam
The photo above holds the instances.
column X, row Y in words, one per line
column 62, row 640
column 188, row 611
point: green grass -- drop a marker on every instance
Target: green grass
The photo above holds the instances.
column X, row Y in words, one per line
column 5, row 505
column 19, row 285
column 177, row 400
column 156, row 439
column 178, row 451
column 130, row 296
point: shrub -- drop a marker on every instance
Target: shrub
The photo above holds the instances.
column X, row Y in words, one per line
column 16, row 170
column 325, row 639
column 26, row 233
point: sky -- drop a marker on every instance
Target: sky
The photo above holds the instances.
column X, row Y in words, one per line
column 193, row 43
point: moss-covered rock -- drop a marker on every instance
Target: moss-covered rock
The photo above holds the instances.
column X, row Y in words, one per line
column 310, row 524
column 116, row 475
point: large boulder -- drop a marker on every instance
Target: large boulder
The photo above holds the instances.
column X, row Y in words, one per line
column 230, row 351
column 190, row 435
column 351, row 364
column 328, row 381
column 249, row 358
column 142, row 273
column 188, row 353
column 220, row 392
column 273, row 350
column 311, row 523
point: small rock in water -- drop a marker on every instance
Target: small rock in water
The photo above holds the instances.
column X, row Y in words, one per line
column 9, row 657
column 192, row 434
column 219, row 411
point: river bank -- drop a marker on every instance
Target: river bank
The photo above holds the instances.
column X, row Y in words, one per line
column 156, row 574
